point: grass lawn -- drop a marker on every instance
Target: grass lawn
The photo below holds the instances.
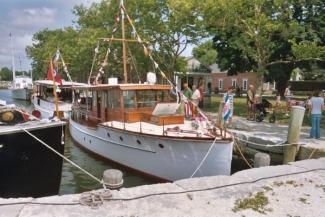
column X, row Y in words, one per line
column 240, row 110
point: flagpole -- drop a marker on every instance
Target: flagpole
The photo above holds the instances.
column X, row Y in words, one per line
column 54, row 92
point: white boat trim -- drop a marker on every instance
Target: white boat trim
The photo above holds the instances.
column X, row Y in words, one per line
column 111, row 141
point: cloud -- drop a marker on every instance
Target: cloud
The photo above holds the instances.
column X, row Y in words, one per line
column 34, row 17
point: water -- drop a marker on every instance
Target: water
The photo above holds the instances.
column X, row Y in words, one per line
column 75, row 181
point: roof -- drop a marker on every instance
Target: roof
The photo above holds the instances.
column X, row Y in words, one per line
column 123, row 87
column 66, row 84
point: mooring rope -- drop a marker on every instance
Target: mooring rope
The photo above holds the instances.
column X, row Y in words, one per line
column 62, row 156
column 204, row 158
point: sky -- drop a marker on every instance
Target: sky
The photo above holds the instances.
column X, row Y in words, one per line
column 23, row 18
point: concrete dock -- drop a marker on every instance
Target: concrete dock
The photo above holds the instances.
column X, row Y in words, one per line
column 297, row 189
column 272, row 134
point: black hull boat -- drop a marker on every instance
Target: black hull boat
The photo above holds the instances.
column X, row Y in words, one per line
column 27, row 167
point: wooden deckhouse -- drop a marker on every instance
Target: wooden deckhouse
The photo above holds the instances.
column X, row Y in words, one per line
column 126, row 103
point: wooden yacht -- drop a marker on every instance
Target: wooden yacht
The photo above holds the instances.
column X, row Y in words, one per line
column 140, row 126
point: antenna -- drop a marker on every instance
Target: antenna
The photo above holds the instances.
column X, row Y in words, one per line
column 13, row 61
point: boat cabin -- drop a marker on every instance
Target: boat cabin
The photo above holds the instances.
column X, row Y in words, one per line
column 44, row 90
column 125, row 103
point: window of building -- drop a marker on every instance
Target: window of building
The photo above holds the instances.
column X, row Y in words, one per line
column 234, row 83
column 245, row 84
column 220, row 84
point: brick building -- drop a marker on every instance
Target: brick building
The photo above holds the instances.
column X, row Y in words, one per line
column 221, row 81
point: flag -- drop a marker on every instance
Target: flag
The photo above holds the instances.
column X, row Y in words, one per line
column 53, row 74
column 227, row 109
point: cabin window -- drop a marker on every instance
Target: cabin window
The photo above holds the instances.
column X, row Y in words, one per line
column 163, row 96
column 94, row 99
column 113, row 99
column 146, row 98
column 129, row 99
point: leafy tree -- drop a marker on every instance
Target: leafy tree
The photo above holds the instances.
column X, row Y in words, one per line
column 205, row 53
column 5, row 74
column 165, row 32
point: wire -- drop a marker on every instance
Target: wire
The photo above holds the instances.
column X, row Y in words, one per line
column 171, row 193
column 62, row 156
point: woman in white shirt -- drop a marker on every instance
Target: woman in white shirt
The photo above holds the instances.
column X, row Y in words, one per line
column 196, row 96
column 316, row 105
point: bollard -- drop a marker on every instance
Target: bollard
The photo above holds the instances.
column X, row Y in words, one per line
column 113, row 178
column 295, row 123
column 261, row 160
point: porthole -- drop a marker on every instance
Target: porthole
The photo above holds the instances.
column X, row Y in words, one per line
column 109, row 135
column 84, row 139
column 121, row 138
column 139, row 142
column 161, row 145
column 90, row 141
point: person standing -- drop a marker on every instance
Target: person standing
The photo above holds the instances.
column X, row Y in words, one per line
column 316, row 105
column 201, row 89
column 288, row 96
column 186, row 97
column 250, row 99
column 187, row 91
column 196, row 96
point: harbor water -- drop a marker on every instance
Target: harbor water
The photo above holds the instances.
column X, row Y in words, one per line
column 75, row 181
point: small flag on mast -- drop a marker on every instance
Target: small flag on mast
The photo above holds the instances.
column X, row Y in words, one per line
column 53, row 74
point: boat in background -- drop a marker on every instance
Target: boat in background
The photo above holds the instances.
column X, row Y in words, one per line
column 21, row 86
column 44, row 100
column 28, row 168
column 140, row 126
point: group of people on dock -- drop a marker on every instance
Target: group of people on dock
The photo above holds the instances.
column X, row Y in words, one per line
column 191, row 100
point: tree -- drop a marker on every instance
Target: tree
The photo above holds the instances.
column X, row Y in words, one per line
column 265, row 36
column 5, row 74
column 165, row 32
column 205, row 53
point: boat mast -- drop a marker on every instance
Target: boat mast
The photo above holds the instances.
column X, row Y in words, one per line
column 13, row 62
column 123, row 39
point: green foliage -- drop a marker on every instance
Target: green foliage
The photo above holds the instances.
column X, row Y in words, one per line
column 205, row 53
column 165, row 30
column 5, row 74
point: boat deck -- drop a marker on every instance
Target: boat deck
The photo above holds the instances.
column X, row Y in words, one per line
column 174, row 130
column 30, row 125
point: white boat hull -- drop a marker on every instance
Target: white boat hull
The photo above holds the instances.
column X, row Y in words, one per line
column 21, row 94
column 47, row 109
column 161, row 157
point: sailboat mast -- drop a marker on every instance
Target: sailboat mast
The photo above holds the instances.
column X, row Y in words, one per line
column 13, row 61
column 124, row 46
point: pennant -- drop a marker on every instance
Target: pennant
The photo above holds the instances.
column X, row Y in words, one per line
column 53, row 74
column 57, row 55
column 227, row 110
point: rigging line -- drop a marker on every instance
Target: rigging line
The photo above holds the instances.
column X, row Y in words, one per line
column 62, row 156
column 133, row 62
column 93, row 63
column 173, row 193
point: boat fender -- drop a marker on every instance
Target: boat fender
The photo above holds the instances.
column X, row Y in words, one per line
column 7, row 116
column 36, row 113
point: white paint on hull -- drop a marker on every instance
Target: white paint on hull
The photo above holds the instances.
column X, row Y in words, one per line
column 47, row 109
column 177, row 159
